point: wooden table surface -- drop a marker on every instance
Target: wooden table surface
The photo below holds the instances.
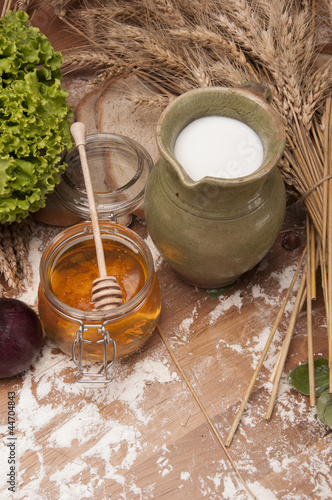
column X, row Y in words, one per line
column 148, row 434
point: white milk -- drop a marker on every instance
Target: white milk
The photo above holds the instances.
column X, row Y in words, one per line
column 218, row 146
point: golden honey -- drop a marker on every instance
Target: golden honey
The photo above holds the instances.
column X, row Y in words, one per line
column 74, row 273
column 67, row 269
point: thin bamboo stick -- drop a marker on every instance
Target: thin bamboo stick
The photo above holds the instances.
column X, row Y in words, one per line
column 323, row 272
column 313, row 262
column 264, row 353
column 311, row 280
column 325, row 174
column 275, row 368
column 286, row 344
column 328, row 152
column 326, row 250
column 328, row 312
column 309, row 320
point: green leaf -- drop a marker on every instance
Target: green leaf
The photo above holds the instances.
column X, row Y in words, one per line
column 34, row 118
column 299, row 377
column 324, row 408
column 214, row 293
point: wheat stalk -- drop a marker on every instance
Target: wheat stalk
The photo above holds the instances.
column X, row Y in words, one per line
column 169, row 11
column 212, row 42
column 20, row 235
column 14, row 254
column 6, row 271
column 8, row 248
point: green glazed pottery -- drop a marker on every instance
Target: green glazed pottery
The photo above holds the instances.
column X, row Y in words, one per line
column 213, row 230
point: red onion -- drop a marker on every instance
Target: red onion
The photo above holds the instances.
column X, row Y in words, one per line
column 21, row 337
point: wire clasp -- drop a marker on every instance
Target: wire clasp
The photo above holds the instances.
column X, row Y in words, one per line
column 87, row 377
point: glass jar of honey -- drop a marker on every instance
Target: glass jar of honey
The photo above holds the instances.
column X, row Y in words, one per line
column 67, row 269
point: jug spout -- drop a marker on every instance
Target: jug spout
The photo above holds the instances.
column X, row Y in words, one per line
column 258, row 89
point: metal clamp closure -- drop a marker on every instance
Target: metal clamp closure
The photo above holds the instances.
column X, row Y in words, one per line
column 113, row 217
column 87, row 377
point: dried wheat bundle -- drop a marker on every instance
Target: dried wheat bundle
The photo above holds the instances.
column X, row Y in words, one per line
column 181, row 44
column 15, row 267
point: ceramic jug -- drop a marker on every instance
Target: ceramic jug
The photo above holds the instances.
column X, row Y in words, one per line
column 213, row 230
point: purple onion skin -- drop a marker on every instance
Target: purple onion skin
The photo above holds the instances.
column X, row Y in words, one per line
column 21, row 337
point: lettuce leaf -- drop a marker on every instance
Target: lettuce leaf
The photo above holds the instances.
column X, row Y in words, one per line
column 35, row 118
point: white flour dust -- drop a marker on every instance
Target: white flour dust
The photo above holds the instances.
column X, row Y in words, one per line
column 36, row 246
column 225, row 303
column 72, row 416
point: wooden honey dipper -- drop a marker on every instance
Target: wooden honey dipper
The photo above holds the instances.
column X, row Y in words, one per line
column 106, row 292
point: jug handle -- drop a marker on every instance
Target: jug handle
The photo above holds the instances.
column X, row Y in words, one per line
column 259, row 90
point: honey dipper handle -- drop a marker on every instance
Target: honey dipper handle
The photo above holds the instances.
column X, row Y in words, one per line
column 78, row 131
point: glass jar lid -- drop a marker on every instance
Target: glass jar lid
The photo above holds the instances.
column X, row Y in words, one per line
column 119, row 169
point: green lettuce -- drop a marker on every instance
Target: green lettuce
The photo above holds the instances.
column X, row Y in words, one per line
column 35, row 118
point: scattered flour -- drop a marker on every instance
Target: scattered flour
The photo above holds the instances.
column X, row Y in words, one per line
column 185, row 476
column 235, row 347
column 259, row 293
column 256, row 346
column 35, row 252
column 225, row 303
column 183, row 331
column 68, row 488
column 228, row 489
column 285, row 277
column 110, row 443
column 69, row 424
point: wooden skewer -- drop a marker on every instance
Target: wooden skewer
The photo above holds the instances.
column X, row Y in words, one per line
column 311, row 368
column 326, row 139
column 326, row 250
column 263, row 355
column 328, row 152
column 106, row 292
column 285, row 346
column 275, row 368
column 313, row 262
